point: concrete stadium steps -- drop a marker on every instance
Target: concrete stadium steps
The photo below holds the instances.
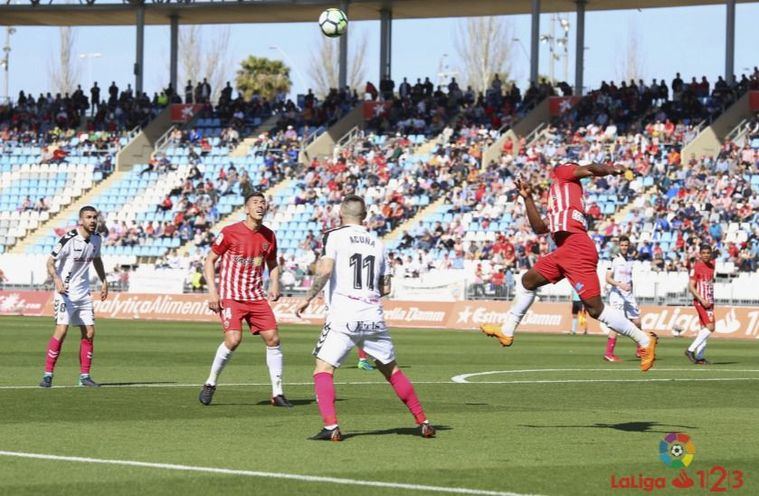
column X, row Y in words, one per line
column 324, row 143
column 242, row 149
column 410, row 223
column 236, row 215
column 55, row 221
column 142, row 144
column 709, row 140
column 539, row 115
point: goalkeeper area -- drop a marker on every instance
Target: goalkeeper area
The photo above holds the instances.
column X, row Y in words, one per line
column 547, row 416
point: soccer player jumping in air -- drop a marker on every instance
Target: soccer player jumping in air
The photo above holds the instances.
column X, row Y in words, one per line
column 575, row 258
column 354, row 268
column 69, row 267
column 244, row 248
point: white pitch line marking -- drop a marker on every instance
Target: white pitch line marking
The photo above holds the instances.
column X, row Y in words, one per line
column 268, row 475
column 464, row 378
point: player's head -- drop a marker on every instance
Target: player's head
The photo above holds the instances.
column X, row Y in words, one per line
column 624, row 245
column 705, row 252
column 256, row 205
column 352, row 210
column 88, row 218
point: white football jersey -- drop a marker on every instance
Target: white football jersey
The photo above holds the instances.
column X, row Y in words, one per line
column 73, row 255
column 622, row 271
column 353, row 291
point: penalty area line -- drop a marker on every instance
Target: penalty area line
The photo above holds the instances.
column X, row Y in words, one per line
column 267, row 475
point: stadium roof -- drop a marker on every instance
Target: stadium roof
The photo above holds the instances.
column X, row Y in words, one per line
column 278, row 11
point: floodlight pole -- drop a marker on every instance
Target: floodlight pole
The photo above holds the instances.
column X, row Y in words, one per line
column 343, row 63
column 580, row 47
column 140, row 42
column 730, row 42
column 535, row 41
column 174, row 33
column 386, row 43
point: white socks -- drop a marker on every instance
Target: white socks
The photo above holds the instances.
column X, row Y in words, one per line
column 574, row 325
column 274, row 362
column 223, row 354
column 700, row 351
column 617, row 321
column 519, row 307
column 701, row 338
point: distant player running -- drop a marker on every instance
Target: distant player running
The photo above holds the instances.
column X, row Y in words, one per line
column 579, row 315
column 701, row 286
column 575, row 258
column 621, row 296
column 354, row 269
column 69, row 267
column 244, row 248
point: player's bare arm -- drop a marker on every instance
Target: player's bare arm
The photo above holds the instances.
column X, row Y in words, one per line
column 323, row 273
column 385, row 285
column 97, row 262
column 694, row 291
column 611, row 281
column 59, row 286
column 536, row 222
column 599, row 170
column 209, row 270
column 274, row 285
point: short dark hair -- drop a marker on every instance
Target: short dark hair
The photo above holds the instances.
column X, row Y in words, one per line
column 623, row 238
column 704, row 246
column 353, row 198
column 253, row 194
column 87, row 208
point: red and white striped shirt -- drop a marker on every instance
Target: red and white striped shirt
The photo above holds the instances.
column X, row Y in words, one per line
column 566, row 211
column 244, row 254
column 703, row 276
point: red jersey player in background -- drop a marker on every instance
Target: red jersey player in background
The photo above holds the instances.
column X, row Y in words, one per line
column 244, row 248
column 575, row 258
column 701, row 286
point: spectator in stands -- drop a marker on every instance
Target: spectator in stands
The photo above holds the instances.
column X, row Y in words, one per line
column 166, row 205
column 41, row 205
column 27, row 204
column 3, row 279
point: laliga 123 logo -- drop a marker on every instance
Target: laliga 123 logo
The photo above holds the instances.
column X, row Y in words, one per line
column 677, row 450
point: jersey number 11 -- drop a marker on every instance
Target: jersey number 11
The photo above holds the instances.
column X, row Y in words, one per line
column 358, row 263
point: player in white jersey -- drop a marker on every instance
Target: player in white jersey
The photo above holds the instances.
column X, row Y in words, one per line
column 621, row 296
column 355, row 274
column 68, row 266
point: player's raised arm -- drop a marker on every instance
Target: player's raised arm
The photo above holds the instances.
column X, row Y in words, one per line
column 598, row 170
column 97, row 262
column 209, row 270
column 536, row 222
column 323, row 273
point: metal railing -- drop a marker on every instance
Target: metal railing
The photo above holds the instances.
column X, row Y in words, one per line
column 163, row 142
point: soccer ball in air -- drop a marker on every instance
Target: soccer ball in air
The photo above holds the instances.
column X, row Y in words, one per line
column 333, row 22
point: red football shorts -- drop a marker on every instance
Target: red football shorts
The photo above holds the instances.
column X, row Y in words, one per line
column 705, row 316
column 257, row 314
column 576, row 259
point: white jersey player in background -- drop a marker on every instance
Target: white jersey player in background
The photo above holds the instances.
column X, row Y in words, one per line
column 621, row 296
column 355, row 274
column 68, row 267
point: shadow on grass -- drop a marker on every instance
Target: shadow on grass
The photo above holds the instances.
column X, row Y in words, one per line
column 624, row 427
column 144, row 383
column 399, row 431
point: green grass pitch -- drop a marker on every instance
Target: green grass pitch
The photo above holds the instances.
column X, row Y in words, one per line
column 556, row 419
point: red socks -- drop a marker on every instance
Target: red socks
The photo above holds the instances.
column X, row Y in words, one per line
column 53, row 350
column 361, row 354
column 610, row 344
column 405, row 391
column 85, row 355
column 324, row 387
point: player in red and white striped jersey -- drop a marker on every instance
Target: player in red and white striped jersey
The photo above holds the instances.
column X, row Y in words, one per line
column 244, row 248
column 575, row 257
column 701, row 286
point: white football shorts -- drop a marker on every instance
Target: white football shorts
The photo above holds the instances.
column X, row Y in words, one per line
column 77, row 313
column 628, row 304
column 338, row 339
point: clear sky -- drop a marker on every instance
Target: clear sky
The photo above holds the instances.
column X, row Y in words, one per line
column 690, row 40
